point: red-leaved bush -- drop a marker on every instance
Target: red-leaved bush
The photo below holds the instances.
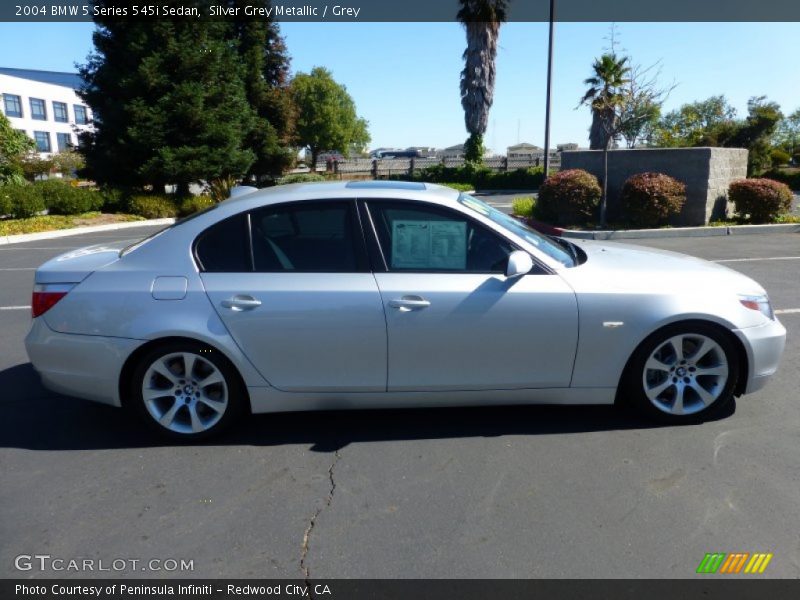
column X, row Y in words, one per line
column 649, row 199
column 568, row 197
column 761, row 200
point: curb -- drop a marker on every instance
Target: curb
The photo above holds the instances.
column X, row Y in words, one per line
column 633, row 234
column 47, row 235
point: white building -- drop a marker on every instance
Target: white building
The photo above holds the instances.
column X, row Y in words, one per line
column 45, row 106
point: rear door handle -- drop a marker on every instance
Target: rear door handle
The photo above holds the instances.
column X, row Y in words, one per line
column 241, row 302
column 407, row 303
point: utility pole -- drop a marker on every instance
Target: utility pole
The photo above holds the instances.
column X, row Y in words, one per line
column 549, row 86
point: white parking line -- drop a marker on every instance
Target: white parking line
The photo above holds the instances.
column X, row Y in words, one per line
column 750, row 259
column 15, row 307
column 787, row 311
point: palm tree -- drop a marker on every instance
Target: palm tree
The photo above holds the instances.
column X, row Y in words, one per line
column 604, row 96
column 482, row 20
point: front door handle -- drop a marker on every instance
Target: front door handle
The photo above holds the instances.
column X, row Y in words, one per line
column 241, row 302
column 407, row 303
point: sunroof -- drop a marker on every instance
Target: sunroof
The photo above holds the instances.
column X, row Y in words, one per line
column 385, row 185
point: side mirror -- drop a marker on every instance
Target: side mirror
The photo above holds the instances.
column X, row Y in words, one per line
column 519, row 263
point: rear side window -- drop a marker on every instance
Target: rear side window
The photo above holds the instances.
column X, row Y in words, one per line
column 310, row 237
column 224, row 247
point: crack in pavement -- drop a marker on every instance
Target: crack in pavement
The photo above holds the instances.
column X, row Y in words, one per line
column 307, row 535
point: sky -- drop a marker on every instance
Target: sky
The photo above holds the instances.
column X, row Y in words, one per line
column 404, row 77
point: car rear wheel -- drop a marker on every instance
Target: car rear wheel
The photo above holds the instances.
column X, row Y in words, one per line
column 684, row 373
column 186, row 391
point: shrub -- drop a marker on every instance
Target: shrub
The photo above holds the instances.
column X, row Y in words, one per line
column 194, row 204
column 61, row 198
column 20, row 201
column 301, row 178
column 569, row 197
column 523, row 206
column 461, row 187
column 762, row 199
column 220, row 189
column 153, row 206
column 649, row 199
column 115, row 200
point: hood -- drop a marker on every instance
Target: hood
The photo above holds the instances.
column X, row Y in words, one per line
column 75, row 265
column 626, row 267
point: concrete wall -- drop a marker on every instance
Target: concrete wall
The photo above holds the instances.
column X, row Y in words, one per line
column 706, row 172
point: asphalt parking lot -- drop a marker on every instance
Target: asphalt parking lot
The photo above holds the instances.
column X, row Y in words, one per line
column 520, row 492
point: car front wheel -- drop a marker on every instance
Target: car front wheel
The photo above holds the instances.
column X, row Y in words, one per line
column 186, row 391
column 684, row 372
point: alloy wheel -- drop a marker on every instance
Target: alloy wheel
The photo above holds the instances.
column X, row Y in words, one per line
column 185, row 392
column 685, row 374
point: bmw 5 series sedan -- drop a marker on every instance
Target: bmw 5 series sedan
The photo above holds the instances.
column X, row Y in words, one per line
column 390, row 294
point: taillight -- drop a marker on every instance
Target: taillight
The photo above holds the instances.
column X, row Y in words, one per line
column 46, row 295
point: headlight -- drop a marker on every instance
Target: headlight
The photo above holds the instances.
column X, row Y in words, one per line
column 760, row 303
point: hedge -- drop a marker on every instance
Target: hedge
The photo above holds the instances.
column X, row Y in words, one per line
column 61, row 198
column 20, row 201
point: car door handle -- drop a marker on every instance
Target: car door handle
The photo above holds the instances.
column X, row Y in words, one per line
column 241, row 302
column 407, row 303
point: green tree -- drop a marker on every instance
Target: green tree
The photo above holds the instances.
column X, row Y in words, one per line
column 755, row 133
column 265, row 61
column 695, row 124
column 605, row 97
column 14, row 146
column 787, row 134
column 326, row 115
column 482, row 20
column 168, row 101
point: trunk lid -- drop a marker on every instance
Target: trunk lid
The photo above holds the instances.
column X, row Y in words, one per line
column 76, row 265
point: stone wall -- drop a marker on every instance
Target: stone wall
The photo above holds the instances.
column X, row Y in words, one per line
column 706, row 172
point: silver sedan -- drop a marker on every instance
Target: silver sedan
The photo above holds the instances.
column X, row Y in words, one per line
column 381, row 294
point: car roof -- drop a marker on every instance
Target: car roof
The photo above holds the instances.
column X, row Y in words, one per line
column 338, row 190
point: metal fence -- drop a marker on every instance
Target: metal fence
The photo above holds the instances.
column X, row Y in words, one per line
column 387, row 167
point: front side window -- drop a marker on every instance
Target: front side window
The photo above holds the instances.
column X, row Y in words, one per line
column 42, row 139
column 12, row 105
column 38, row 109
column 81, row 117
column 60, row 112
column 421, row 238
column 64, row 141
column 310, row 237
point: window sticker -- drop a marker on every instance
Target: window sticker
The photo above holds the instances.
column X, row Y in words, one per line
column 429, row 245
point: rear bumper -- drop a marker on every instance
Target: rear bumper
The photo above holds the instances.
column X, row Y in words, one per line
column 764, row 346
column 84, row 366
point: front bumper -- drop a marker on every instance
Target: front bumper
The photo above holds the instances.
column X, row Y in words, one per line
column 84, row 366
column 764, row 346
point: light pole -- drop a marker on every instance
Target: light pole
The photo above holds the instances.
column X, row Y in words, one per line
column 549, row 86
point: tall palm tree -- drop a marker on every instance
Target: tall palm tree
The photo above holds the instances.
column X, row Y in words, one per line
column 604, row 96
column 482, row 20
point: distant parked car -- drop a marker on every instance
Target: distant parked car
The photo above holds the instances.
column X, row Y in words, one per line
column 389, row 294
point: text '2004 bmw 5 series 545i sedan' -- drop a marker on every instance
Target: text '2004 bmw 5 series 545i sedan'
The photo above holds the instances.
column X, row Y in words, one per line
column 380, row 294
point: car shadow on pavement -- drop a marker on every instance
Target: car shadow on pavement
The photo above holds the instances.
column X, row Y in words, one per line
column 36, row 419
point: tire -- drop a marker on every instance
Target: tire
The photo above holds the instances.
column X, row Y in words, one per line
column 185, row 408
column 683, row 373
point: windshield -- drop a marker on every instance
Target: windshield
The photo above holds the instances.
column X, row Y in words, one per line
column 519, row 228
